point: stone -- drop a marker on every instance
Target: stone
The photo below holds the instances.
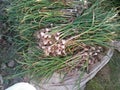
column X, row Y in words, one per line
column 11, row 64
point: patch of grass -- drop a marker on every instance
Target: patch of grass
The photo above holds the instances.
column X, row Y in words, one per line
column 94, row 85
column 110, row 80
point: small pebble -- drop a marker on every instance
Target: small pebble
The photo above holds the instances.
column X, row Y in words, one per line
column 11, row 64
